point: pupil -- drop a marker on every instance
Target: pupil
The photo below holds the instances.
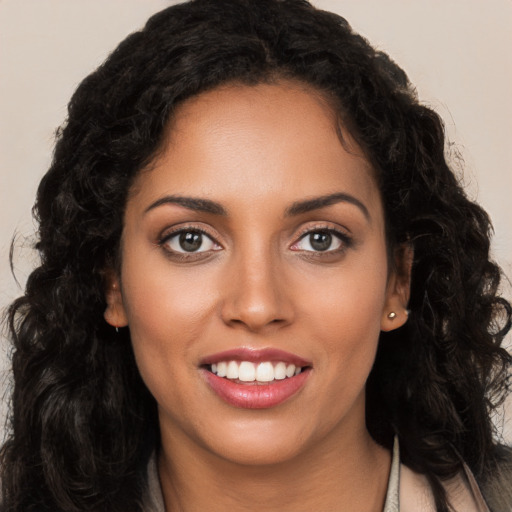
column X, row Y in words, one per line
column 190, row 241
column 321, row 241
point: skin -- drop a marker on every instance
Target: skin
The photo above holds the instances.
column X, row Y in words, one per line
column 256, row 151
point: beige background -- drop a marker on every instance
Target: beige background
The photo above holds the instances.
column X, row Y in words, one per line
column 457, row 52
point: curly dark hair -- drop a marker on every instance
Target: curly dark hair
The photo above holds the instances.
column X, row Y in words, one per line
column 82, row 423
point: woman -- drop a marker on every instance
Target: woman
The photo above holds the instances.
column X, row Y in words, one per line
column 261, row 285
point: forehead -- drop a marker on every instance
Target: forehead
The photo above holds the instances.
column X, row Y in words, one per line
column 257, row 143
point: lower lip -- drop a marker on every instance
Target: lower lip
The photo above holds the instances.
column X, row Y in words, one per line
column 256, row 395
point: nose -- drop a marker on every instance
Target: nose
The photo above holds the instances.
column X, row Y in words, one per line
column 255, row 295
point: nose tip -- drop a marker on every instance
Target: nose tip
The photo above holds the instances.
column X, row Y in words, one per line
column 257, row 300
column 255, row 317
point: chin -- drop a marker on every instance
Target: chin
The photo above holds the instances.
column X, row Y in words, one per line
column 260, row 443
column 256, row 454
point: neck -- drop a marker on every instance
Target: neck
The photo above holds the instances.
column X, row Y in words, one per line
column 353, row 476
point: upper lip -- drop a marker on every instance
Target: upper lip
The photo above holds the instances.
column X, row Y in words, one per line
column 255, row 356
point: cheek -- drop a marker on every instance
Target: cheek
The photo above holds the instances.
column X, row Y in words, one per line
column 160, row 298
column 167, row 312
column 351, row 297
column 345, row 314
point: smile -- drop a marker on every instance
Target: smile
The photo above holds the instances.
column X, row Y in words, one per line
column 255, row 379
column 246, row 371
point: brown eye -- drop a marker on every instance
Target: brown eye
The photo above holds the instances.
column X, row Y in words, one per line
column 319, row 241
column 190, row 241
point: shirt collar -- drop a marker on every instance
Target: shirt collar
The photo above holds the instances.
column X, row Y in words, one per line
column 392, row 503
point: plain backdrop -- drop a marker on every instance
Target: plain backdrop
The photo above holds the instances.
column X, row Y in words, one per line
column 456, row 52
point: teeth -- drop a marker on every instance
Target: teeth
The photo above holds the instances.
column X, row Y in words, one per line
column 221, row 369
column 232, row 371
column 265, row 372
column 246, row 371
column 280, row 371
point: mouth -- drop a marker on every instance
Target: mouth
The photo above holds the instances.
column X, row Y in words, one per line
column 255, row 379
column 248, row 372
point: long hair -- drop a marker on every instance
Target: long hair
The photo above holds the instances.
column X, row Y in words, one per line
column 82, row 422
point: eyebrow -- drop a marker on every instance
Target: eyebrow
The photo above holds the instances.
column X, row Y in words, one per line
column 297, row 208
column 316, row 203
column 192, row 203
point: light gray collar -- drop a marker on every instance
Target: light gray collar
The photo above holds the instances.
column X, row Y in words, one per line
column 392, row 503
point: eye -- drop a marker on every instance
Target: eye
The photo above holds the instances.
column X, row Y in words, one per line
column 324, row 240
column 190, row 241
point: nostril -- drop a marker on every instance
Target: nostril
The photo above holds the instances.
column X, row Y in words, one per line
column 257, row 324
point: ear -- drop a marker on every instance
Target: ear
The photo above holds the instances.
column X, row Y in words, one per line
column 395, row 312
column 115, row 313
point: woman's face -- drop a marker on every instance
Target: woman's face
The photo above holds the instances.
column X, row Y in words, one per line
column 254, row 249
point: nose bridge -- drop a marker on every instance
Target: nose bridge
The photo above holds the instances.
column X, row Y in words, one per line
column 255, row 296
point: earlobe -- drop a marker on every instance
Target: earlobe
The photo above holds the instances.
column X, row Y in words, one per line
column 394, row 319
column 115, row 314
column 395, row 312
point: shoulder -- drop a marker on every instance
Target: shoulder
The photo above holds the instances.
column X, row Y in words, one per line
column 497, row 484
column 462, row 491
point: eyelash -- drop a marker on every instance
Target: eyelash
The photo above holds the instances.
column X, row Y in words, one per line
column 185, row 256
column 345, row 240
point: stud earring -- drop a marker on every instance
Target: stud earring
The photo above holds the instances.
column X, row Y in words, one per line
column 392, row 315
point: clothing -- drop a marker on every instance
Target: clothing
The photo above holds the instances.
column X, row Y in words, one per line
column 497, row 489
column 407, row 491
column 154, row 501
column 410, row 492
